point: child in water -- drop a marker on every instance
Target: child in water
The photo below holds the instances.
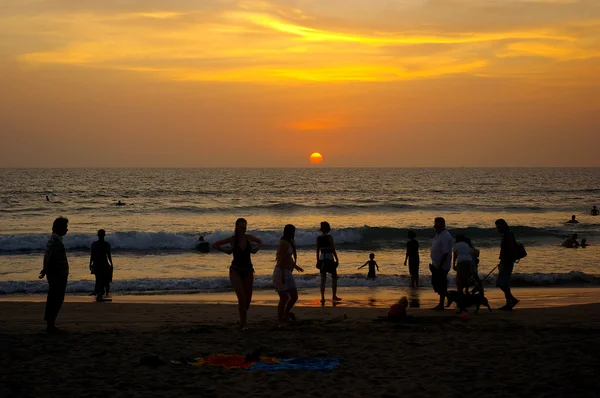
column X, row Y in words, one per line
column 372, row 265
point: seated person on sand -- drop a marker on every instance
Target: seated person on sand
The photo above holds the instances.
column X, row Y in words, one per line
column 571, row 243
column 595, row 211
column 202, row 245
column 584, row 243
column 572, row 220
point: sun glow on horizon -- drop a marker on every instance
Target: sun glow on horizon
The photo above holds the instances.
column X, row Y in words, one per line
column 316, row 158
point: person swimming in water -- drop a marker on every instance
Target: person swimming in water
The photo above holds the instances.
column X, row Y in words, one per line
column 372, row 265
column 241, row 272
column 48, row 199
column 595, row 211
column 571, row 243
column 202, row 245
column 119, row 203
column 572, row 220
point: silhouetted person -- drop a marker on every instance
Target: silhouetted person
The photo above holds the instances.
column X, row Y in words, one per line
column 508, row 256
column 571, row 242
column 119, row 203
column 412, row 258
column 101, row 265
column 595, row 211
column 56, row 271
column 584, row 243
column 202, row 245
column 572, row 220
column 441, row 260
column 327, row 261
column 48, row 199
column 372, row 265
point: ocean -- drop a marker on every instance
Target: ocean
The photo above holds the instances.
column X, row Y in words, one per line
column 154, row 234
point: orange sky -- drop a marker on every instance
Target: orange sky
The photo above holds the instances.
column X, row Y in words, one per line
column 266, row 83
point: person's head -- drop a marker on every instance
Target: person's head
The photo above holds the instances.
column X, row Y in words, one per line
column 468, row 242
column 60, row 226
column 412, row 234
column 241, row 225
column 583, row 242
column 201, row 238
column 325, row 227
column 574, row 236
column 461, row 238
column 439, row 224
column 573, row 217
column 594, row 207
column 501, row 226
column 372, row 256
column 289, row 233
column 101, row 234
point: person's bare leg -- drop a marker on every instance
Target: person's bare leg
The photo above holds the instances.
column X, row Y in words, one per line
column 284, row 298
column 238, row 286
column 248, row 287
column 323, row 282
column 334, row 281
column 293, row 297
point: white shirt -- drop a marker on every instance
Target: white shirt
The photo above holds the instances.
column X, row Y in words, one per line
column 463, row 252
column 442, row 244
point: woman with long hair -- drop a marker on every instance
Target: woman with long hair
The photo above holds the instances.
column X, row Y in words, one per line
column 241, row 272
column 283, row 278
column 327, row 260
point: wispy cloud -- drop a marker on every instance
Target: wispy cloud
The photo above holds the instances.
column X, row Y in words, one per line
column 265, row 41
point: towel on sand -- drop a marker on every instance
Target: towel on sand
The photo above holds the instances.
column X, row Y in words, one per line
column 313, row 364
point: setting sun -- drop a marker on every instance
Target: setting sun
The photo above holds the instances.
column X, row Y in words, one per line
column 316, row 158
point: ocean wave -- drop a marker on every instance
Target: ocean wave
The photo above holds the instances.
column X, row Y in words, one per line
column 305, row 281
column 348, row 238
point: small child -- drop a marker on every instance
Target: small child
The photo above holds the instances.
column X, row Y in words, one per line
column 372, row 265
column 412, row 259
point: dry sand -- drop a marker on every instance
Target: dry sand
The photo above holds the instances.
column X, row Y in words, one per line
column 531, row 352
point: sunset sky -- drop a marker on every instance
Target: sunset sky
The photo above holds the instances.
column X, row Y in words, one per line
column 266, row 83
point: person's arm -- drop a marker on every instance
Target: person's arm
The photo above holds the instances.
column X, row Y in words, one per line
column 297, row 268
column 108, row 254
column 406, row 257
column 318, row 251
column 363, row 265
column 337, row 261
column 227, row 241
column 92, row 258
column 46, row 264
column 446, row 251
column 254, row 239
column 454, row 258
column 377, row 265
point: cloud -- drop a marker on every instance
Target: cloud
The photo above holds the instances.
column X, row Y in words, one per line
column 265, row 41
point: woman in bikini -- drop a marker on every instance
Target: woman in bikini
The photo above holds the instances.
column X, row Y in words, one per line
column 283, row 279
column 241, row 272
column 327, row 260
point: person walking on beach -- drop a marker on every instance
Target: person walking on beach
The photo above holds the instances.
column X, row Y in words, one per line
column 508, row 256
column 412, row 258
column 441, row 260
column 283, row 278
column 372, row 265
column 327, row 260
column 56, row 271
column 101, row 265
column 241, row 272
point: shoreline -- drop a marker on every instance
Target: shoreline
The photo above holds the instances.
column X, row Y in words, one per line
column 357, row 297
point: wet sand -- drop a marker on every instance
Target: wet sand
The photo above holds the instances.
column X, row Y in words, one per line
column 530, row 352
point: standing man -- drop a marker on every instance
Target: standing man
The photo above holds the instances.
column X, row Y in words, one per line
column 56, row 271
column 508, row 256
column 441, row 260
column 101, row 265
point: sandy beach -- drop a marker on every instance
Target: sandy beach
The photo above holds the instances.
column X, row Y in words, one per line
column 530, row 352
